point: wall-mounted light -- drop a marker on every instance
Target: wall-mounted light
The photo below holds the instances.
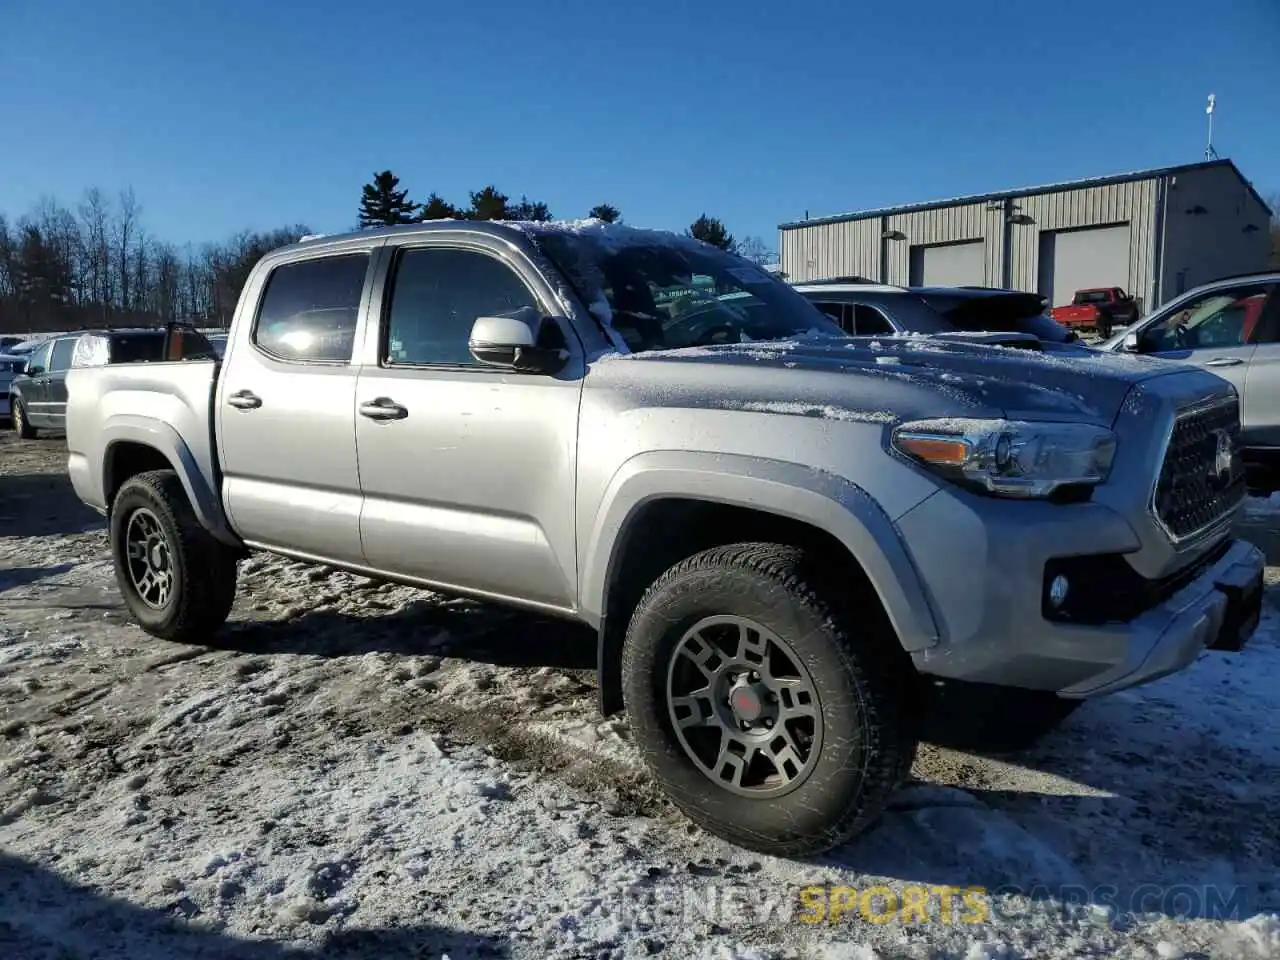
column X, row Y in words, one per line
column 1022, row 218
column 1196, row 211
column 1251, row 228
column 893, row 235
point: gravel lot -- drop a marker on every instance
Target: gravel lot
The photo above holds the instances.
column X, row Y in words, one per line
column 367, row 771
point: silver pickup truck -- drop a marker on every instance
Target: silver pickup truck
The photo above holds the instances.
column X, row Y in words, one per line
column 786, row 537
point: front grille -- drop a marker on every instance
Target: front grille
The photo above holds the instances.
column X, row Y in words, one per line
column 1202, row 478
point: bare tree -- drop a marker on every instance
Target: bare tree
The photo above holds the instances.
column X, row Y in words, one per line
column 126, row 226
column 95, row 217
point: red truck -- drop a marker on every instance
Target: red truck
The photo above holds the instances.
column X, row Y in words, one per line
column 1099, row 308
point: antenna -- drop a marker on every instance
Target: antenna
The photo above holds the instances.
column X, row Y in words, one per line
column 1209, row 152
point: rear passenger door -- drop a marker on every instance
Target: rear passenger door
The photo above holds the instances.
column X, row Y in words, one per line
column 286, row 407
column 56, row 387
column 1260, row 403
column 471, row 483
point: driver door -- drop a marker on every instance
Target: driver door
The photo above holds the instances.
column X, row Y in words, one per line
column 1218, row 330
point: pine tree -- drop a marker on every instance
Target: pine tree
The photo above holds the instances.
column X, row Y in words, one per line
column 381, row 204
column 712, row 231
column 488, row 204
column 606, row 212
column 437, row 208
column 528, row 209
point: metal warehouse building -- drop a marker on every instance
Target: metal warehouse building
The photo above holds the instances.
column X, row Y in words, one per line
column 1155, row 233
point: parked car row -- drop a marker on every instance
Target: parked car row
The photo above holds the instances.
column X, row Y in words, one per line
column 36, row 391
column 787, row 539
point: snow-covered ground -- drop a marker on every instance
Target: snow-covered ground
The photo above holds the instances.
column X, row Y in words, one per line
column 367, row 771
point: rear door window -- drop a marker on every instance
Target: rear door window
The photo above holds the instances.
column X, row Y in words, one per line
column 61, row 358
column 310, row 309
column 868, row 321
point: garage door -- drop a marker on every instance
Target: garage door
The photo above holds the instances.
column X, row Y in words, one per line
column 1072, row 260
column 952, row 265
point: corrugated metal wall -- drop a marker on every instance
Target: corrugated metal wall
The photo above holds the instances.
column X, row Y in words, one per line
column 1133, row 202
column 844, row 249
column 1011, row 230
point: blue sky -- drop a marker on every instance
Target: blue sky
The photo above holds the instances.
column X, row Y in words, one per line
column 229, row 114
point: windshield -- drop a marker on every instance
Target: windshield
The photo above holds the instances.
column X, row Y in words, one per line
column 665, row 292
column 1092, row 296
column 1001, row 313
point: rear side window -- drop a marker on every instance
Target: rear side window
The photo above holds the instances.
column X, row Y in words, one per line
column 61, row 359
column 309, row 310
column 841, row 313
column 869, row 321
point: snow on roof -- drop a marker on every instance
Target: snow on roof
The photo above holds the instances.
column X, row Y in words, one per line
column 613, row 235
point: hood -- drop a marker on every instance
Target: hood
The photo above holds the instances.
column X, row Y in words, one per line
column 886, row 378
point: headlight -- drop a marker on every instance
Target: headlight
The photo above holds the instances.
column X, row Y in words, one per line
column 1009, row 458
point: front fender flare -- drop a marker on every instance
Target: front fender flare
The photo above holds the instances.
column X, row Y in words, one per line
column 820, row 499
column 165, row 440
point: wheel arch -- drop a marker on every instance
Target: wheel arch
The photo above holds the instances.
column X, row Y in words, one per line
column 135, row 445
column 662, row 507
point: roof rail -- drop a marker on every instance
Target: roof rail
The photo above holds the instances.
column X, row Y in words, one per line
column 311, row 236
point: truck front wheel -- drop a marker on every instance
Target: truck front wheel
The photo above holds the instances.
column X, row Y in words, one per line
column 176, row 579
column 772, row 715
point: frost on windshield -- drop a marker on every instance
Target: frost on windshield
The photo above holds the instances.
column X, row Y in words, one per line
column 653, row 290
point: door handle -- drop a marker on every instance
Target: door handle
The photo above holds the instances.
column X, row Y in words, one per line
column 1223, row 362
column 244, row 400
column 383, row 408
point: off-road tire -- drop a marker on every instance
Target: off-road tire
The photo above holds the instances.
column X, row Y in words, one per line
column 204, row 570
column 863, row 680
column 21, row 423
column 985, row 718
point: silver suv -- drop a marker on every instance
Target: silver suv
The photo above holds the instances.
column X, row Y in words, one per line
column 784, row 537
column 1230, row 327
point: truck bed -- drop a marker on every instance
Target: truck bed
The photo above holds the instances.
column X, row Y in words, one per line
column 166, row 406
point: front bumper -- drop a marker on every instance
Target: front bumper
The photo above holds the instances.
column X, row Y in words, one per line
column 1218, row 610
column 986, row 580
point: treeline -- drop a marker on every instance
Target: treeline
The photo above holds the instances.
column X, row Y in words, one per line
column 95, row 264
column 383, row 202
column 63, row 269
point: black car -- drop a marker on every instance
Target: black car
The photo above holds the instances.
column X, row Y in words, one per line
column 881, row 310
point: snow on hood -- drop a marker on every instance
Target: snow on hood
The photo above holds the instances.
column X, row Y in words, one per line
column 882, row 378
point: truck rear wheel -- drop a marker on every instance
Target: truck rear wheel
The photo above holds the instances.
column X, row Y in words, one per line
column 770, row 719
column 177, row 580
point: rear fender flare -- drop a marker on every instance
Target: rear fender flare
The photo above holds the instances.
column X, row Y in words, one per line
column 165, row 440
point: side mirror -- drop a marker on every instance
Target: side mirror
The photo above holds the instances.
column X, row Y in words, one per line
column 514, row 342
column 33, row 371
column 1131, row 342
